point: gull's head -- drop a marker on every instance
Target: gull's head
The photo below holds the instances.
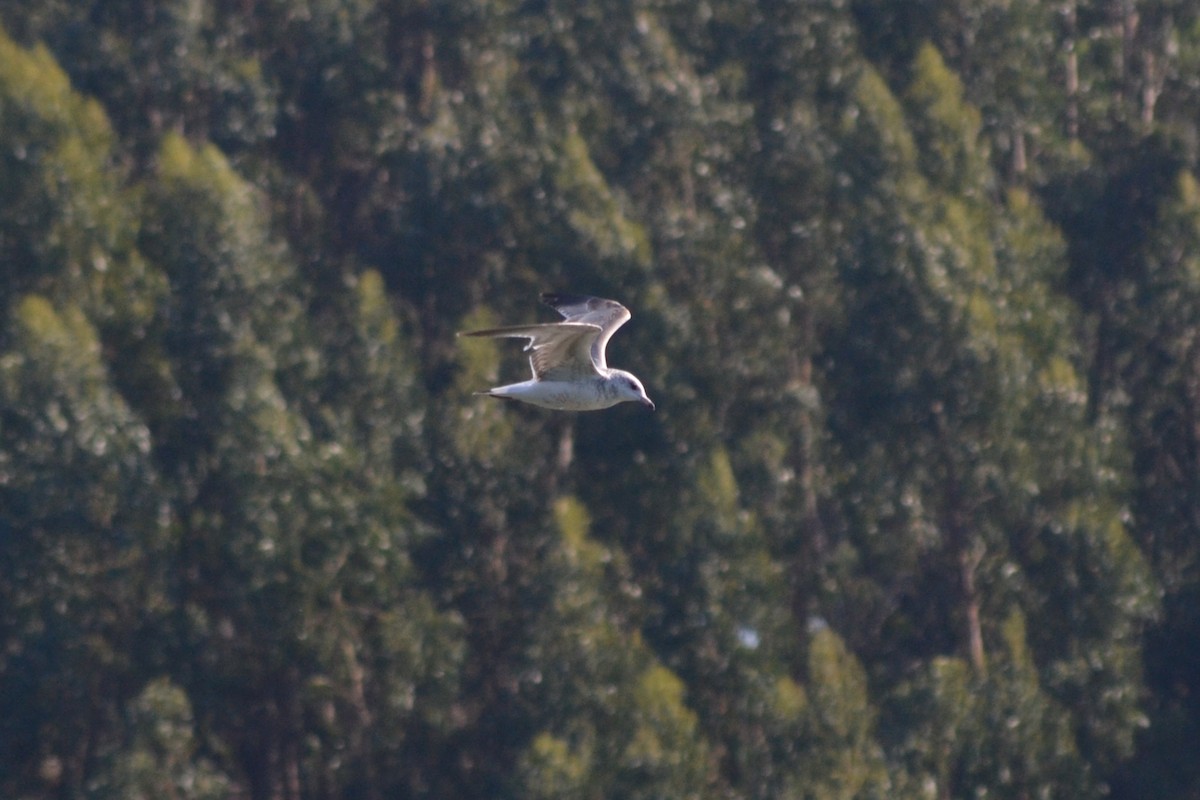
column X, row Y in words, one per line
column 629, row 388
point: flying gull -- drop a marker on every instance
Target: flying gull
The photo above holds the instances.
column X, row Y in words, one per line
column 569, row 370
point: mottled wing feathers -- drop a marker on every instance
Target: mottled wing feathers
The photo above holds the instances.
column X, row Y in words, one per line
column 557, row 351
column 577, row 308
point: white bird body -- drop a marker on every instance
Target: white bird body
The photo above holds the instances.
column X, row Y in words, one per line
column 569, row 368
column 589, row 395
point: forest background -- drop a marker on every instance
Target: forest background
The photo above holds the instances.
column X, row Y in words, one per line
column 916, row 289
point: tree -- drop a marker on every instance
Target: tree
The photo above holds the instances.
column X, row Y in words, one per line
column 299, row 600
column 624, row 730
column 66, row 222
column 1159, row 353
column 841, row 758
column 160, row 66
column 998, row 459
column 85, row 531
column 161, row 759
column 911, row 286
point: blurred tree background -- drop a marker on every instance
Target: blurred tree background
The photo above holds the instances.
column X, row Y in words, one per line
column 916, row 288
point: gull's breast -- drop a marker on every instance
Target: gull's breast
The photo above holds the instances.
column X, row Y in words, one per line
column 564, row 396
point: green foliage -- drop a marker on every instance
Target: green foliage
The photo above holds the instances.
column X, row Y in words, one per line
column 85, row 537
column 66, row 222
column 552, row 770
column 879, row 142
column 914, row 286
column 159, row 66
column 590, row 198
column 1155, row 350
column 664, row 756
column 842, row 759
column 161, row 758
column 946, row 129
column 964, row 733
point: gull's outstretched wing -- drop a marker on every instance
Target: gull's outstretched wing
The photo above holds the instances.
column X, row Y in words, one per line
column 578, row 308
column 559, row 351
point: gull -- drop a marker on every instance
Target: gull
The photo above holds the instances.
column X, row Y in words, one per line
column 569, row 370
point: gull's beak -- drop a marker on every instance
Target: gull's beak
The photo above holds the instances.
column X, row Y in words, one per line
column 646, row 401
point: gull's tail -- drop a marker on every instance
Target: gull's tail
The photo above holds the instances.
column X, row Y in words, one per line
column 497, row 393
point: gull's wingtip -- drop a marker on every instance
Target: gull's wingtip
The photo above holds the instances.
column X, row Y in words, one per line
column 485, row 333
column 556, row 299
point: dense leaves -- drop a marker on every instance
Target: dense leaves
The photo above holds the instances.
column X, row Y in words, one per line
column 915, row 289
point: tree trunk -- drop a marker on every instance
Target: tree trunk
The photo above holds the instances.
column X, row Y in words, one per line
column 956, row 524
column 1072, row 71
column 968, row 562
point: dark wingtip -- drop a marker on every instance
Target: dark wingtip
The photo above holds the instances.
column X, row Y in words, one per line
column 556, row 299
